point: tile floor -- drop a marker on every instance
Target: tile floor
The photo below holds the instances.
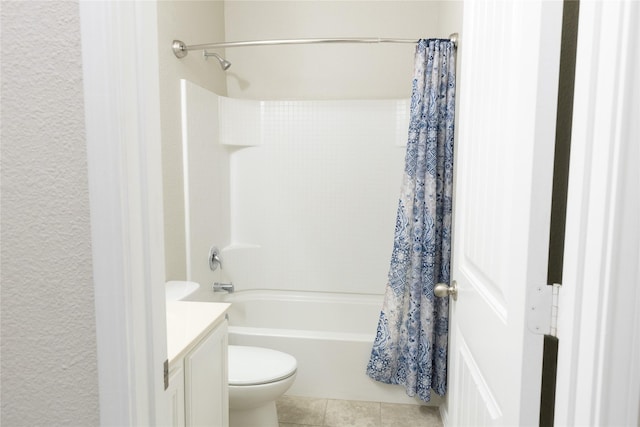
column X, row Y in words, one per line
column 307, row 411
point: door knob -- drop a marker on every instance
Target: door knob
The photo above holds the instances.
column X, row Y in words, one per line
column 443, row 290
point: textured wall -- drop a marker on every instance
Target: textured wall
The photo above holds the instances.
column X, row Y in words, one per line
column 48, row 349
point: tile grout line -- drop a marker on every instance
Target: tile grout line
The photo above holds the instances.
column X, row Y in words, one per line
column 323, row 413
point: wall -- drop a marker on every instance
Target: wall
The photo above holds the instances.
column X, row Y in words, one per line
column 315, row 209
column 283, row 72
column 193, row 22
column 330, row 71
column 314, row 192
column 207, row 180
column 49, row 363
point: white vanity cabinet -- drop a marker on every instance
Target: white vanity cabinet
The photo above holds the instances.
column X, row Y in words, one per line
column 205, row 381
column 197, row 394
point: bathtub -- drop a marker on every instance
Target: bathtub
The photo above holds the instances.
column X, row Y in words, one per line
column 329, row 334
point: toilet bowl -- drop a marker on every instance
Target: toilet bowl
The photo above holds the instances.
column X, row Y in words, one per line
column 257, row 377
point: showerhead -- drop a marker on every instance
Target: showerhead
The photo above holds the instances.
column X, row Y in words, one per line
column 224, row 64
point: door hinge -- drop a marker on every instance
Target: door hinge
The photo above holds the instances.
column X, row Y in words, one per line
column 166, row 374
column 542, row 309
column 553, row 330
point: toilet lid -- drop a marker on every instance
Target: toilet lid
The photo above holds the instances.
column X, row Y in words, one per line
column 257, row 365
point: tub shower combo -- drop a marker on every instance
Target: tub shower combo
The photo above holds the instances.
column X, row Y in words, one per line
column 304, row 205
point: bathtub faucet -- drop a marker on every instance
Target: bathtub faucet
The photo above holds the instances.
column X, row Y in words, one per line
column 219, row 287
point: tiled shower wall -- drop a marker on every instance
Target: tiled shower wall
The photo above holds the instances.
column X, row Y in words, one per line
column 298, row 195
column 314, row 188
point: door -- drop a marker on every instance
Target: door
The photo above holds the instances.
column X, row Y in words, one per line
column 507, row 94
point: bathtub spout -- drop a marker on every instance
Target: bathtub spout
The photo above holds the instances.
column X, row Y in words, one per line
column 220, row 287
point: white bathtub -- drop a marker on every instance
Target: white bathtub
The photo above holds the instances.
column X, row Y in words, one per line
column 329, row 334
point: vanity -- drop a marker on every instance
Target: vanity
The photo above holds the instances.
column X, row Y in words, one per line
column 197, row 389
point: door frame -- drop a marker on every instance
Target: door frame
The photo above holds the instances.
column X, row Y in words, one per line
column 122, row 121
column 598, row 379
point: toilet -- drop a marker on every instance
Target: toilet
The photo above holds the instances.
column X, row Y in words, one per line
column 257, row 378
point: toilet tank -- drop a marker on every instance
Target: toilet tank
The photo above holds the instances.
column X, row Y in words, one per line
column 176, row 290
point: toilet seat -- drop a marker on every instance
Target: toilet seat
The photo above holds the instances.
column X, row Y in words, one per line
column 257, row 365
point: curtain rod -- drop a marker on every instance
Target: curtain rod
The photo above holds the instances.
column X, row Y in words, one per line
column 180, row 49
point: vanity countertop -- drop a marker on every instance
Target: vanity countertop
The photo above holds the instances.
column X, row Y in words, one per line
column 188, row 322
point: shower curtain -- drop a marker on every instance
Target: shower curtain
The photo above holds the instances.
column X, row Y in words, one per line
column 410, row 347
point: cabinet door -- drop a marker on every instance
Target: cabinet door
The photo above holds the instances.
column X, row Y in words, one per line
column 175, row 395
column 206, row 392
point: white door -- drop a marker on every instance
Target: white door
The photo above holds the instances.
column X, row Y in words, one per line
column 507, row 94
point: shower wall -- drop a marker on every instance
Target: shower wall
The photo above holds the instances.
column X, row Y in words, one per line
column 314, row 202
column 193, row 21
column 318, row 72
column 314, row 192
column 299, row 195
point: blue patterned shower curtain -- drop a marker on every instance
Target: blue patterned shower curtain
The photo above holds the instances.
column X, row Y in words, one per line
column 410, row 347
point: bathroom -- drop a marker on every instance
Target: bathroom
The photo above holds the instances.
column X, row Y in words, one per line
column 317, row 248
column 95, row 231
column 523, row 38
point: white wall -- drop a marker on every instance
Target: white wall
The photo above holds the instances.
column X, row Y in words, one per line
column 193, row 22
column 330, row 71
column 343, row 240
column 314, row 192
column 283, row 72
column 49, row 363
column 315, row 209
column 207, row 201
